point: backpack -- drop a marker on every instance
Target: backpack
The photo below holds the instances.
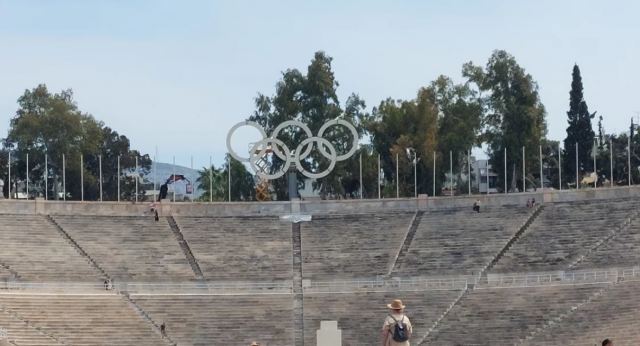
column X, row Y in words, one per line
column 400, row 333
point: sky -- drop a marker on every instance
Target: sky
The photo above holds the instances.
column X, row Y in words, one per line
column 177, row 75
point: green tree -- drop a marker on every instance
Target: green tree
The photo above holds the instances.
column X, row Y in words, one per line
column 515, row 115
column 51, row 125
column 579, row 131
column 310, row 98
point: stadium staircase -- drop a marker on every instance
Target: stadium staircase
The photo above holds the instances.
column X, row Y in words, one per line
column 624, row 227
column 77, row 247
column 24, row 331
column 523, row 228
column 298, row 301
column 177, row 232
column 145, row 316
column 406, row 243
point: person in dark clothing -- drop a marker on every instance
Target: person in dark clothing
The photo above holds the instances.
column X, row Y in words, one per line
column 106, row 285
column 533, row 202
column 163, row 329
column 476, row 206
column 157, row 218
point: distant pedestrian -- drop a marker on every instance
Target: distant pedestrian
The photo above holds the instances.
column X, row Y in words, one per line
column 396, row 329
column 533, row 202
column 607, row 342
column 528, row 202
column 157, row 218
column 106, row 285
column 163, row 329
column 476, row 206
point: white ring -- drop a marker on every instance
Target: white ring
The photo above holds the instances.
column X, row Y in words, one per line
column 350, row 127
column 332, row 158
column 233, row 129
column 299, row 124
column 255, row 156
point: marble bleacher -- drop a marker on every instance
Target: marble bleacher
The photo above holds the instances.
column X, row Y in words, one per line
column 614, row 315
column 205, row 320
column 82, row 319
column 623, row 250
column 32, row 247
column 240, row 248
column 562, row 233
column 352, row 246
column 130, row 248
column 360, row 315
column 503, row 316
column 460, row 241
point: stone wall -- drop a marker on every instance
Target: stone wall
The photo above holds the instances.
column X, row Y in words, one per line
column 353, row 206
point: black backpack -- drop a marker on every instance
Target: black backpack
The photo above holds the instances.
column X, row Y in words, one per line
column 400, row 333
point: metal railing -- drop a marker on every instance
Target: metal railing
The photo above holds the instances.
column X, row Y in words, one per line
column 561, row 278
column 384, row 285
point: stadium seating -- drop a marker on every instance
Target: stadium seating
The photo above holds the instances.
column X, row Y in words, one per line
column 19, row 332
column 460, row 241
column 360, row 315
column 32, row 247
column 614, row 314
column 130, row 248
column 623, row 250
column 96, row 319
column 240, row 248
column 562, row 233
column 502, row 316
column 348, row 246
column 204, row 320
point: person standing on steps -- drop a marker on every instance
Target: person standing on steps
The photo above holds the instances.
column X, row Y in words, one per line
column 476, row 206
column 396, row 329
column 163, row 329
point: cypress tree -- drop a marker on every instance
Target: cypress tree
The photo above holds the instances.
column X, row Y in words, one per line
column 579, row 131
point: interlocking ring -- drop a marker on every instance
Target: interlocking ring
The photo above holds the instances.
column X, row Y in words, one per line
column 272, row 144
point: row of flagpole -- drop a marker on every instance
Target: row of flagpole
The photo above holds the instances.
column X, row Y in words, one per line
column 414, row 162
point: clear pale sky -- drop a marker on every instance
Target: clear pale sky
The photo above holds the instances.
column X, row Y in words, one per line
column 178, row 74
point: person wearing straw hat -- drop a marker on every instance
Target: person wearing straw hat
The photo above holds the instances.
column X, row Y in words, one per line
column 395, row 324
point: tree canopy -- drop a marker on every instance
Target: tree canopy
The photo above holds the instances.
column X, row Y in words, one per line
column 51, row 125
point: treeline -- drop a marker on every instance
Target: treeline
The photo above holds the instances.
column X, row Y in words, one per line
column 496, row 104
column 51, row 132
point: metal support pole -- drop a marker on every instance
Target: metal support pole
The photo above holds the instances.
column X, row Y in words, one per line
column 210, row 179
column 434, row 174
column 524, row 172
column 46, row 177
column 27, row 175
column 559, row 168
column 595, row 168
column 64, row 179
column 118, row 179
column 81, row 177
column 486, row 167
column 451, row 173
column 469, row 172
column 397, row 179
column 100, row 167
column 360, row 163
column 9, row 175
column 229, row 175
column 379, row 187
column 610, row 162
column 137, row 177
column 629, row 161
column 577, row 169
column 415, row 174
column 155, row 174
column 505, row 172
column 541, row 173
column 174, row 179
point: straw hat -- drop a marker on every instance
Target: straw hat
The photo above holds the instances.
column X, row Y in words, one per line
column 254, row 344
column 396, row 304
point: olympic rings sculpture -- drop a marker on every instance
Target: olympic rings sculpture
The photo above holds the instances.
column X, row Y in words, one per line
column 272, row 144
